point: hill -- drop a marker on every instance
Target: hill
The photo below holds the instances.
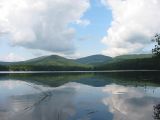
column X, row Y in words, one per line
column 131, row 56
column 45, row 63
column 132, row 64
column 94, row 62
column 50, row 60
column 94, row 59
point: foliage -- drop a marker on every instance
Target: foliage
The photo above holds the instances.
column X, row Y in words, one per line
column 94, row 59
column 46, row 68
column 133, row 56
column 57, row 63
column 132, row 64
column 3, row 68
column 156, row 50
column 156, row 115
column 46, row 63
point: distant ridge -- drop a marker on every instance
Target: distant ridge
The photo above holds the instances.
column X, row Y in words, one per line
column 93, row 62
column 131, row 56
column 90, row 60
column 50, row 60
column 94, row 59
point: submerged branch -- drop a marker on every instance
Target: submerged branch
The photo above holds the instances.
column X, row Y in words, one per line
column 46, row 95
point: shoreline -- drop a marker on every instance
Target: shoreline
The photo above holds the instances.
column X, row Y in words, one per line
column 105, row 71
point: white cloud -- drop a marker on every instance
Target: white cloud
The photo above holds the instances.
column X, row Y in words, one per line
column 12, row 57
column 134, row 23
column 83, row 22
column 42, row 24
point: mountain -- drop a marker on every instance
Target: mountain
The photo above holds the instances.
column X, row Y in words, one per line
column 131, row 56
column 132, row 64
column 94, row 62
column 50, row 60
column 94, row 59
column 5, row 63
column 45, row 63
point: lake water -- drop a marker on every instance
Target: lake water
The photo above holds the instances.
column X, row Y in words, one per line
column 80, row 96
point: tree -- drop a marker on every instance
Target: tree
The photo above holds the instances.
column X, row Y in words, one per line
column 156, row 109
column 156, row 50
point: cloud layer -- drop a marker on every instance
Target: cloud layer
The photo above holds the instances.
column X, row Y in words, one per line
column 42, row 24
column 134, row 23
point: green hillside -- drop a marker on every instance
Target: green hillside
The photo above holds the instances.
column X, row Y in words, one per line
column 132, row 56
column 132, row 64
column 51, row 60
column 45, row 63
column 94, row 59
column 94, row 62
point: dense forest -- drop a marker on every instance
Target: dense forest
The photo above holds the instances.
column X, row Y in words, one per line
column 127, row 64
column 42, row 68
column 132, row 64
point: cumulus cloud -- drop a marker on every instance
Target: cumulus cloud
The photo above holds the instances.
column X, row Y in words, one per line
column 134, row 23
column 42, row 24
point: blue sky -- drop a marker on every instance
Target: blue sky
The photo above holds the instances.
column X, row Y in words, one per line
column 76, row 28
column 100, row 19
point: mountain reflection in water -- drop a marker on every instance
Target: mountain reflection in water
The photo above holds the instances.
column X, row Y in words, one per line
column 79, row 96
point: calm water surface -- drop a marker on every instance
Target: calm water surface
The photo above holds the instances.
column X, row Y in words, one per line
column 80, row 96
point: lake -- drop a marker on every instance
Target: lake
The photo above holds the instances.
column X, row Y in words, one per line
column 80, row 96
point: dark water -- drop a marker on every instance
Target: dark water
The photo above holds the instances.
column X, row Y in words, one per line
column 80, row 96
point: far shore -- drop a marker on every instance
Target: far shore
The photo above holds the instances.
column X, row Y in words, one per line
column 104, row 71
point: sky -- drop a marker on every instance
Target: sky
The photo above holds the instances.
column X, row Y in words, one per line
column 76, row 28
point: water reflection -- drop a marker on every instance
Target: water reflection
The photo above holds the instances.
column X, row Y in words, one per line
column 109, row 96
column 130, row 103
column 58, row 106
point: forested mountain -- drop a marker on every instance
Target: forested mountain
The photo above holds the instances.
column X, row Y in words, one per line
column 45, row 63
column 94, row 59
column 132, row 56
column 94, row 62
column 51, row 60
column 132, row 64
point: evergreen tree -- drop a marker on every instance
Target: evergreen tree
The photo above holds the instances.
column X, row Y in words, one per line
column 156, row 50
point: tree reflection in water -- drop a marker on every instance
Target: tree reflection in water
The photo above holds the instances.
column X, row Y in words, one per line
column 156, row 112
